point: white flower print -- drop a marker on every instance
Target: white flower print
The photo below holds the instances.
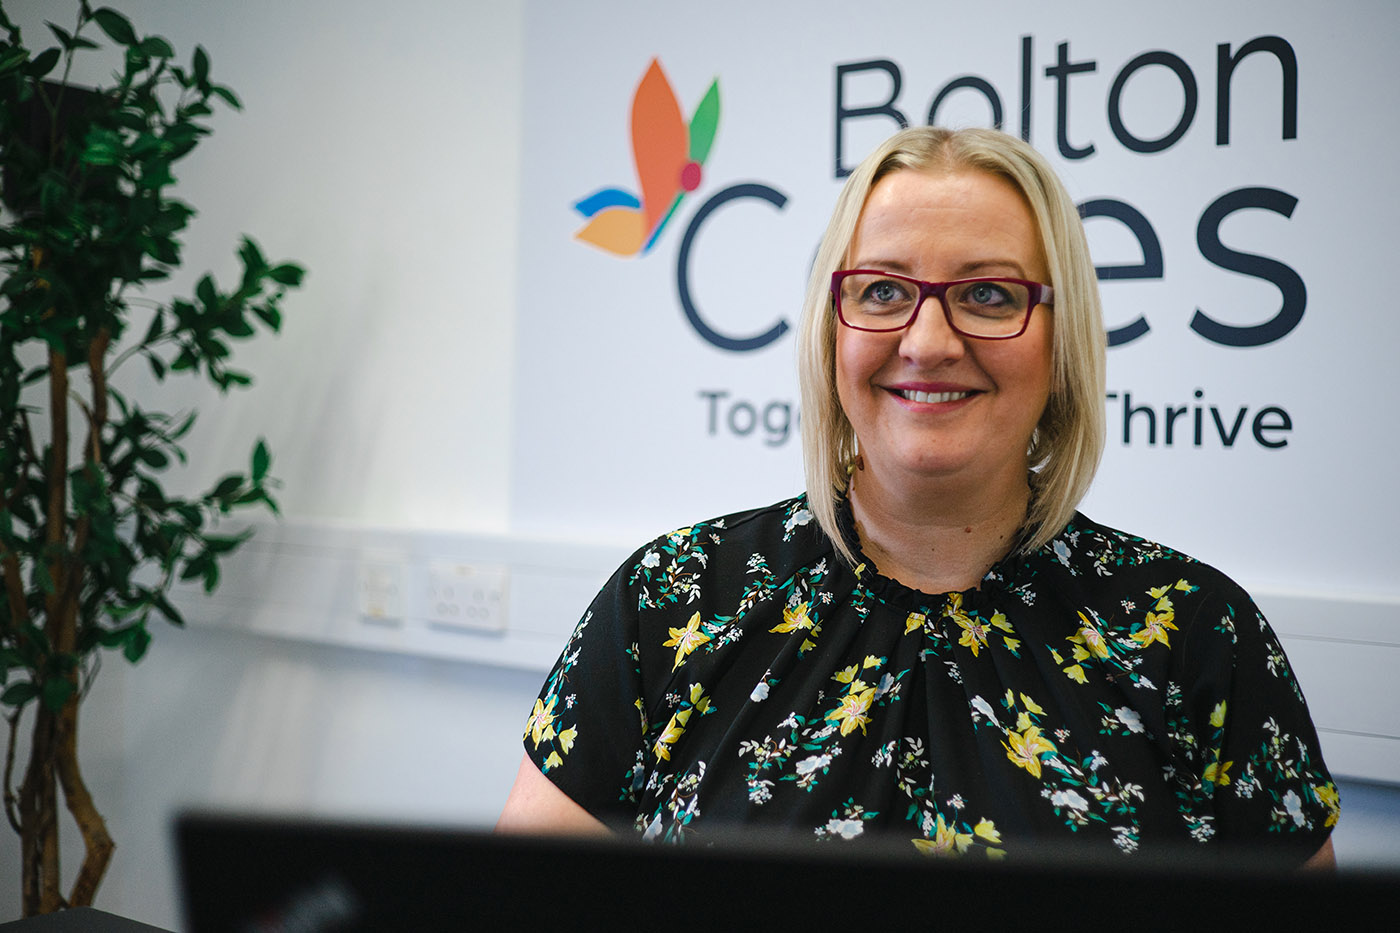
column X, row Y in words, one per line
column 800, row 517
column 1069, row 798
column 760, row 792
column 846, row 829
column 1294, row 805
column 760, row 692
column 1129, row 718
column 651, row 559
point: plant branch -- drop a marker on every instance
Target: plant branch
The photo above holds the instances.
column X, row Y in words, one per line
column 11, row 799
column 96, row 840
column 57, row 476
column 131, row 351
column 14, row 590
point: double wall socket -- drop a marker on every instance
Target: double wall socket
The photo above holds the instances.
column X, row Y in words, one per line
column 470, row 596
column 447, row 594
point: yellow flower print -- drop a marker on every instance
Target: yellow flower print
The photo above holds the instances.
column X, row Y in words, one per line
column 1217, row 774
column 999, row 621
column 541, row 721
column 794, row 618
column 673, row 731
column 698, row 698
column 566, row 739
column 553, row 761
column 871, row 661
column 1026, row 747
column 685, row 640
column 946, row 840
column 1032, row 705
column 854, row 709
column 1217, row 715
column 974, row 634
column 847, row 675
column 1091, row 638
column 914, row 621
column 1155, row 629
column 987, row 830
column 675, row 728
column 1327, row 795
column 1076, row 674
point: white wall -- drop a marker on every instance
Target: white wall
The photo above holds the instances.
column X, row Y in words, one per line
column 385, row 404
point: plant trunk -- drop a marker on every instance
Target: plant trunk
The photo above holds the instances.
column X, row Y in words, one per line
column 97, row 844
column 38, row 807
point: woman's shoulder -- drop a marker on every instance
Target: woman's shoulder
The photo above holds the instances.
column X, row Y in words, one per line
column 784, row 525
column 1091, row 551
column 1086, row 544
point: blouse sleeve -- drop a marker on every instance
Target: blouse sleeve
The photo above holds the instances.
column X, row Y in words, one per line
column 1258, row 778
column 585, row 731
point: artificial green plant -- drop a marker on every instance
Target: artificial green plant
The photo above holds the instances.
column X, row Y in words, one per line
column 90, row 541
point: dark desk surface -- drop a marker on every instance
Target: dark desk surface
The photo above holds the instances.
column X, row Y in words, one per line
column 74, row 920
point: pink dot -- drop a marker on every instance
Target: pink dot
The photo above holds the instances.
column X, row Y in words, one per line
column 690, row 176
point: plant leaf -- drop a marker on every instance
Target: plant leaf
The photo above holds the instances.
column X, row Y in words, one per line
column 228, row 96
column 262, row 459
column 64, row 37
column 137, row 641
column 116, row 26
column 19, row 694
column 57, row 690
column 43, row 63
column 157, row 47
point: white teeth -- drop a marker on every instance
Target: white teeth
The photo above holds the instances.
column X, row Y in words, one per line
column 913, row 396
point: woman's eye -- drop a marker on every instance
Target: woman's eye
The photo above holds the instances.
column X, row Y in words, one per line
column 885, row 292
column 987, row 293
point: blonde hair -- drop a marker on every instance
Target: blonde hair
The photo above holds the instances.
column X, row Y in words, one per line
column 1068, row 441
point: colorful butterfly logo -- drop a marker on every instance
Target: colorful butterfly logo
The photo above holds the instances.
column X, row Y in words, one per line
column 669, row 154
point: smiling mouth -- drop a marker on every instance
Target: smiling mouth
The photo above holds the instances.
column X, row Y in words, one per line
column 933, row 397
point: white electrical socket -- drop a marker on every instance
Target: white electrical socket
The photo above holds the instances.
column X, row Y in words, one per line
column 468, row 596
column 380, row 588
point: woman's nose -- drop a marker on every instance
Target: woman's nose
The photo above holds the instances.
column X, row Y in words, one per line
column 930, row 339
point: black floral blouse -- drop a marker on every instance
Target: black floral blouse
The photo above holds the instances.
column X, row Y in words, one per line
column 1104, row 688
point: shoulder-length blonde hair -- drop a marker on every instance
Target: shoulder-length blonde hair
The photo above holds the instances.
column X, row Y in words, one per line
column 1068, row 441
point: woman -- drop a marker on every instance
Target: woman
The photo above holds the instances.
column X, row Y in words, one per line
column 932, row 641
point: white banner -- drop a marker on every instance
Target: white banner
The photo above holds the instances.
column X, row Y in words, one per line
column 1234, row 166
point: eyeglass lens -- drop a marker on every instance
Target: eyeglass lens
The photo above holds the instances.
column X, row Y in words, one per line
column 980, row 307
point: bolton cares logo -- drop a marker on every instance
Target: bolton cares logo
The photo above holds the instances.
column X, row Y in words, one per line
column 669, row 153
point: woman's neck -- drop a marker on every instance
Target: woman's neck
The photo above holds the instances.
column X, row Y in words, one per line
column 938, row 537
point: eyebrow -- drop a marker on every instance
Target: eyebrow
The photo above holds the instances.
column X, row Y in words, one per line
column 966, row 270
